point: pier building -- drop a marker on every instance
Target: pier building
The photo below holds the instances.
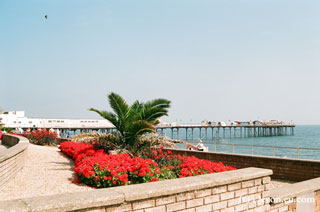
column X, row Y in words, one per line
column 17, row 119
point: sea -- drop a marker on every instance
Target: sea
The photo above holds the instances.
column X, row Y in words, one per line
column 303, row 144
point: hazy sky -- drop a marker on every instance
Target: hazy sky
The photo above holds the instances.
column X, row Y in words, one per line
column 215, row 60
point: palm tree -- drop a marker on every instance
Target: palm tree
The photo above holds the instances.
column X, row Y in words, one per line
column 132, row 121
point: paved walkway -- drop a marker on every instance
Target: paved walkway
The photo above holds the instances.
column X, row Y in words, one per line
column 46, row 171
column 2, row 147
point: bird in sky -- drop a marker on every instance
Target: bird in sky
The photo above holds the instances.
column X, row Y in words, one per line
column 46, row 16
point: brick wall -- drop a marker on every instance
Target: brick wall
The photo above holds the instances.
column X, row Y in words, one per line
column 317, row 201
column 284, row 206
column 288, row 198
column 291, row 204
column 12, row 159
column 238, row 190
column 10, row 167
column 241, row 196
column 282, row 168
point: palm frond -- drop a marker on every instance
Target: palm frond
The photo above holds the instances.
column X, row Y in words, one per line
column 118, row 104
column 138, row 128
column 107, row 115
column 159, row 103
column 155, row 109
column 134, row 109
column 153, row 114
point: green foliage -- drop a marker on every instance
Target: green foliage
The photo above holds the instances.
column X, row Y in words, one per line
column 7, row 129
column 2, row 127
column 133, row 121
column 107, row 142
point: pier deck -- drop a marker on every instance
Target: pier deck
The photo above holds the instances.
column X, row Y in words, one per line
column 218, row 131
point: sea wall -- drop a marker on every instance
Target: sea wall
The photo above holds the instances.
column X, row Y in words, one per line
column 12, row 159
column 299, row 197
column 225, row 191
column 283, row 168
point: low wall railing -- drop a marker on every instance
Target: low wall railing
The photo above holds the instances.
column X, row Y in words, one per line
column 302, row 196
column 264, row 150
column 12, row 158
column 283, row 168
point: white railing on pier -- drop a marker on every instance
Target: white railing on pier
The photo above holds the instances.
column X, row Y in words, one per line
column 218, row 125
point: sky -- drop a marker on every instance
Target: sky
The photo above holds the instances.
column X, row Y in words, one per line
column 215, row 60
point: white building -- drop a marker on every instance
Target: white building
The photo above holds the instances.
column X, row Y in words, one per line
column 17, row 119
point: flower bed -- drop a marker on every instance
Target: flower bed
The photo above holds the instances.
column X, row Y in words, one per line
column 99, row 169
column 42, row 137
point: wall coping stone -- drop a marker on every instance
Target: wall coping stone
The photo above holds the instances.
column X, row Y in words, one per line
column 75, row 201
column 295, row 189
column 117, row 195
column 21, row 145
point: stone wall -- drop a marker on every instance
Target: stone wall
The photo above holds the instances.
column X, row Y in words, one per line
column 12, row 159
column 283, row 168
column 298, row 197
column 317, row 200
column 238, row 190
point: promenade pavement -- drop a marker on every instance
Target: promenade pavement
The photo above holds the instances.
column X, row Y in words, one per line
column 2, row 147
column 48, row 171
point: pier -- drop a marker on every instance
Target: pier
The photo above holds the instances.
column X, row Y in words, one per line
column 194, row 132
column 187, row 132
column 17, row 119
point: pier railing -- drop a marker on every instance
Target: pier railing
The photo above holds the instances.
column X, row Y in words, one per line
column 275, row 151
column 228, row 125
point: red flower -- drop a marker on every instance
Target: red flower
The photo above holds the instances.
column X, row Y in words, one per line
column 98, row 169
